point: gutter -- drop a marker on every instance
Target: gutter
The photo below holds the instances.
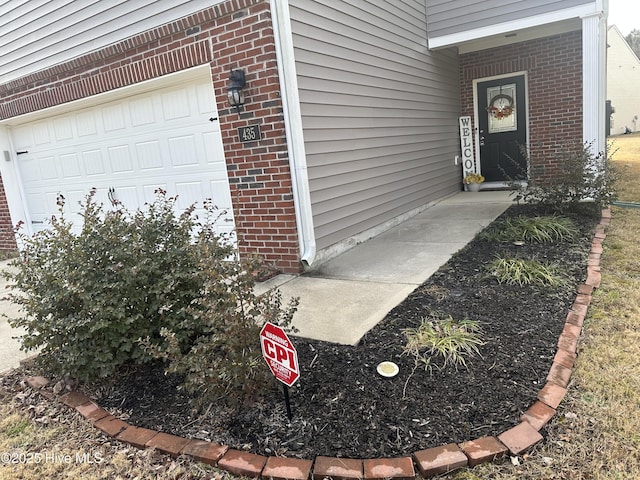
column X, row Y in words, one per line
column 293, row 126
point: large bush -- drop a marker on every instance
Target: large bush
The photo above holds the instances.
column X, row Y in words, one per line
column 89, row 298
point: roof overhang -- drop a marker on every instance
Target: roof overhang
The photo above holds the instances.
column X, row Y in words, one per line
column 528, row 28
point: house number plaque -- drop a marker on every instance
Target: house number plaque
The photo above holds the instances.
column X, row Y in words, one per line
column 249, row 134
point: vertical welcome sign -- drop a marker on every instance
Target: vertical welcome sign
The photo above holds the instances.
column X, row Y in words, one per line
column 466, row 146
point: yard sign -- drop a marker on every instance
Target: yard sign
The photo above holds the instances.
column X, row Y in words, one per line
column 280, row 354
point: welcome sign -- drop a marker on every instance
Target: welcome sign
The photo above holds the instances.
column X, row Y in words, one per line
column 466, row 146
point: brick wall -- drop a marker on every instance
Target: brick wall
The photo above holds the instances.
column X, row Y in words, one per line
column 234, row 34
column 7, row 237
column 554, row 73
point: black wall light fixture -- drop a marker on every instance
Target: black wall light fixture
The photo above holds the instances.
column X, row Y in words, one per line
column 235, row 95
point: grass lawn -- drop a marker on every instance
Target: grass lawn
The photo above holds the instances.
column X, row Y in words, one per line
column 595, row 435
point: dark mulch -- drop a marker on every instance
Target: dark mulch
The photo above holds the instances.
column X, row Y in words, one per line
column 343, row 408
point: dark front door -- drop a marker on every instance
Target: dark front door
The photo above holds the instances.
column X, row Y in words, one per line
column 502, row 126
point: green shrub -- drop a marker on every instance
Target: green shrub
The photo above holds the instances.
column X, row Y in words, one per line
column 130, row 288
column 521, row 271
column 538, row 229
column 87, row 297
column 582, row 176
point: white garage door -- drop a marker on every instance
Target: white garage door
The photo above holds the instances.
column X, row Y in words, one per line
column 165, row 138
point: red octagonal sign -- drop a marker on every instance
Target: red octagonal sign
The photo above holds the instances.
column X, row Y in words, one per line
column 280, row 354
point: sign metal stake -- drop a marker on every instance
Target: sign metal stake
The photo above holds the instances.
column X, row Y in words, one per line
column 287, row 402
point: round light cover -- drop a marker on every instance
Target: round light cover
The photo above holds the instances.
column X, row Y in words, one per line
column 387, row 369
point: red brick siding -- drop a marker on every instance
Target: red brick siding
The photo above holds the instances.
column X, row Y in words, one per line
column 554, row 73
column 7, row 237
column 234, row 34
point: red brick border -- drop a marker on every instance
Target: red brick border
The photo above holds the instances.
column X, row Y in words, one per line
column 430, row 462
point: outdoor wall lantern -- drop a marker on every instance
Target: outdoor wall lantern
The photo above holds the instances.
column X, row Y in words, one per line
column 235, row 94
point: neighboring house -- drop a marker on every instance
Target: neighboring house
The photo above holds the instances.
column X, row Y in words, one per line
column 358, row 105
column 623, row 83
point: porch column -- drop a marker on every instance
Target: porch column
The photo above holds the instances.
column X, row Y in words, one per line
column 594, row 43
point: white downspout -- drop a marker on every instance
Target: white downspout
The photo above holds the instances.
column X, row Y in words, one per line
column 293, row 125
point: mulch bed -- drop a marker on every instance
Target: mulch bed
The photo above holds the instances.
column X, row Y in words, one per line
column 343, row 408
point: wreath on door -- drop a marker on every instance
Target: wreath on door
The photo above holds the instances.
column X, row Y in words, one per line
column 501, row 106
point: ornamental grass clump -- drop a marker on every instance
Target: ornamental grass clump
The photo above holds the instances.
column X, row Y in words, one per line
column 537, row 229
column 441, row 337
column 520, row 271
column 445, row 338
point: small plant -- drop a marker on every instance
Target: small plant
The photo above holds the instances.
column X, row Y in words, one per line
column 539, row 229
column 518, row 271
column 446, row 338
column 473, row 178
column 451, row 340
column 581, row 176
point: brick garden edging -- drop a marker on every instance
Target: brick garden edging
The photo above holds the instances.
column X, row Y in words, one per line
column 429, row 462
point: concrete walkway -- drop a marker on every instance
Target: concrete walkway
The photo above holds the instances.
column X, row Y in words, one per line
column 10, row 354
column 346, row 296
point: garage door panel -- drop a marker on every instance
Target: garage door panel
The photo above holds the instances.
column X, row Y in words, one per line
column 113, row 118
column 31, row 168
column 93, row 163
column 213, row 148
column 120, row 159
column 160, row 139
column 70, row 165
column 220, row 194
column 183, row 151
column 205, row 102
column 175, row 105
column 38, row 202
column 189, row 193
column 149, row 155
column 62, row 129
column 41, row 134
column 142, row 112
column 86, row 124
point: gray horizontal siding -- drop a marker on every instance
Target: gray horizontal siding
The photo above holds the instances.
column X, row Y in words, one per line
column 35, row 34
column 379, row 112
column 447, row 17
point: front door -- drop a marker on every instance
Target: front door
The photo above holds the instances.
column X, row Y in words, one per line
column 502, row 123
